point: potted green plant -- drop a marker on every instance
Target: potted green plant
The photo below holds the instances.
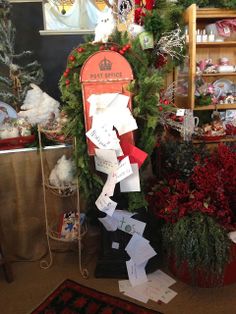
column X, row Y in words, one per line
column 198, row 213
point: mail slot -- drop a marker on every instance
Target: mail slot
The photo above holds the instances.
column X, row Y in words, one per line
column 105, row 72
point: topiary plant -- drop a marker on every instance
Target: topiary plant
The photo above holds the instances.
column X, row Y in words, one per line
column 199, row 241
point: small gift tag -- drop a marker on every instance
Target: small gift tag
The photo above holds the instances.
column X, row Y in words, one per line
column 180, row 112
column 146, row 40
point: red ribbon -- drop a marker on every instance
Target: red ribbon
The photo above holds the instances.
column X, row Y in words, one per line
column 138, row 16
column 141, row 7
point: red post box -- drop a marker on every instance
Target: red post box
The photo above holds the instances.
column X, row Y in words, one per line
column 105, row 72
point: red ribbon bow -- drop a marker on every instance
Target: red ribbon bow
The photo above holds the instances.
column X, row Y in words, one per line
column 147, row 4
column 141, row 7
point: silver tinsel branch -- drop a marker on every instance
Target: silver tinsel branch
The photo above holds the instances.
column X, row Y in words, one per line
column 171, row 43
column 165, row 120
column 169, row 92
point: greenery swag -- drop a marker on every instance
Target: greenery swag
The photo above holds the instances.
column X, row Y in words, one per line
column 146, row 87
column 198, row 240
column 149, row 72
column 145, row 110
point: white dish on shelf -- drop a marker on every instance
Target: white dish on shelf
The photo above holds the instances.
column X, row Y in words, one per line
column 226, row 68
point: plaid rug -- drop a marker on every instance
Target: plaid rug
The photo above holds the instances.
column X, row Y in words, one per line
column 73, row 298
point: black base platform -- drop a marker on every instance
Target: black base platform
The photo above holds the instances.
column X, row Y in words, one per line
column 112, row 262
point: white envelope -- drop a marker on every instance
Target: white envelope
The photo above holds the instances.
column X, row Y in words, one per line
column 109, row 223
column 132, row 182
column 124, row 169
column 139, row 249
column 137, row 274
column 103, row 138
column 105, row 204
column 105, row 160
column 110, row 184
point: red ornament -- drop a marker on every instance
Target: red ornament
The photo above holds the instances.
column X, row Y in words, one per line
column 67, row 70
column 72, row 58
column 113, row 48
column 166, row 102
column 67, row 82
column 128, row 46
column 121, row 52
column 80, row 49
column 101, row 48
column 65, row 74
column 160, row 108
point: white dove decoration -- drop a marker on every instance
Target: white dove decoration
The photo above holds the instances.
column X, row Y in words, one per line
column 63, row 174
column 39, row 107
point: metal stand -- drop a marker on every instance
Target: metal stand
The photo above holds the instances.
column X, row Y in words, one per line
column 45, row 264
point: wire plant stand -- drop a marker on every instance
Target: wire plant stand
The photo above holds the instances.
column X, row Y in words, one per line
column 51, row 233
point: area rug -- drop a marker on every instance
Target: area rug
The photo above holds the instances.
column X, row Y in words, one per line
column 73, row 298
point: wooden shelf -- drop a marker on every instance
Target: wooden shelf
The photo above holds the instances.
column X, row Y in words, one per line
column 207, row 13
column 219, row 74
column 197, row 18
column 218, row 106
column 216, row 43
column 226, row 139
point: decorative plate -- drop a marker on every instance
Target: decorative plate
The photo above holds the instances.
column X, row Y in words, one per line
column 222, row 87
column 6, row 110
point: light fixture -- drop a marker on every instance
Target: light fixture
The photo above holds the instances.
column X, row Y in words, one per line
column 62, row 5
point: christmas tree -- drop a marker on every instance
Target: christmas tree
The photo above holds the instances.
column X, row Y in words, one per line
column 17, row 70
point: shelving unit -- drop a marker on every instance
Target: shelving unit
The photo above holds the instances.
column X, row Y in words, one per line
column 51, row 234
column 197, row 18
column 218, row 106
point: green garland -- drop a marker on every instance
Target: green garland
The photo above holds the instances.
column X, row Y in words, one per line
column 146, row 87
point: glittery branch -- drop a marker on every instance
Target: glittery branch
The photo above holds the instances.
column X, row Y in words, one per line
column 171, row 43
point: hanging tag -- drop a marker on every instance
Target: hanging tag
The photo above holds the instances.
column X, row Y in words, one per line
column 180, row 112
column 146, row 40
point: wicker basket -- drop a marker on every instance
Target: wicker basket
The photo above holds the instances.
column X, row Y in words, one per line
column 57, row 136
column 168, row 122
column 62, row 191
column 65, row 191
column 55, row 235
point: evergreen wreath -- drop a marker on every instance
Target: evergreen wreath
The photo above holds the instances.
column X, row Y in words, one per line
column 145, row 88
column 147, row 80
